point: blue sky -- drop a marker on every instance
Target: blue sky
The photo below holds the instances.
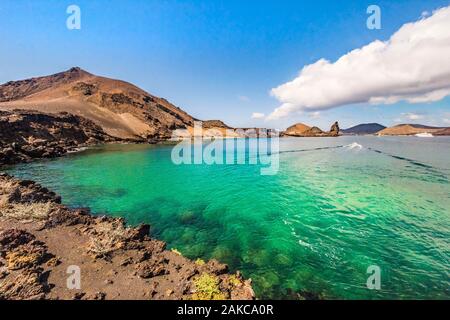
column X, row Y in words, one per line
column 215, row 59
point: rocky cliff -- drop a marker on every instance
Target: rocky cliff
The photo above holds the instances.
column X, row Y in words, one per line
column 27, row 135
column 334, row 131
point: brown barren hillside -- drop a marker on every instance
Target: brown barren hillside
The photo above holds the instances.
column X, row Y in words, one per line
column 443, row 132
column 408, row 130
column 297, row 129
column 120, row 108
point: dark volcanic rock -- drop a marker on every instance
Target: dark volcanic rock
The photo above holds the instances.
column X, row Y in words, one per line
column 215, row 267
column 334, row 131
column 12, row 238
column 86, row 88
column 27, row 135
column 152, row 269
column 25, row 191
column 140, row 232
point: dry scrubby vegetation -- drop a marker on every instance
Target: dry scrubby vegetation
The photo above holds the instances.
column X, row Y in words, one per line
column 207, row 288
column 106, row 239
column 27, row 211
column 174, row 250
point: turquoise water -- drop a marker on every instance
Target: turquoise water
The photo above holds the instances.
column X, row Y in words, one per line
column 317, row 225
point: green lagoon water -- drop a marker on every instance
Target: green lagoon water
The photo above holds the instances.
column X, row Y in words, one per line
column 316, row 226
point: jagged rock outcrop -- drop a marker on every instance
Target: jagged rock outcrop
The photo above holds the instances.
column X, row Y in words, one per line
column 40, row 238
column 27, row 135
column 334, row 131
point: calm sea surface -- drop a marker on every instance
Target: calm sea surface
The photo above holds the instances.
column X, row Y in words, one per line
column 336, row 207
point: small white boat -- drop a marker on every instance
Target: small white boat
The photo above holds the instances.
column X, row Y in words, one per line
column 424, row 135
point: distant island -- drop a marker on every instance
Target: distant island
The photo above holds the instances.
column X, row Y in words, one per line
column 363, row 129
column 302, row 130
column 413, row 129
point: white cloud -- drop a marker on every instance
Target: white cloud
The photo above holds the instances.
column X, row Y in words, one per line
column 412, row 116
column 244, row 98
column 447, row 121
column 425, row 14
column 314, row 115
column 413, row 65
column 257, row 115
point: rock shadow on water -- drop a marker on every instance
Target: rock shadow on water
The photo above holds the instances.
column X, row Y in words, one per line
column 98, row 191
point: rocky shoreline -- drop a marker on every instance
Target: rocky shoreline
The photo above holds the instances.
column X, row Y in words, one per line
column 42, row 241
